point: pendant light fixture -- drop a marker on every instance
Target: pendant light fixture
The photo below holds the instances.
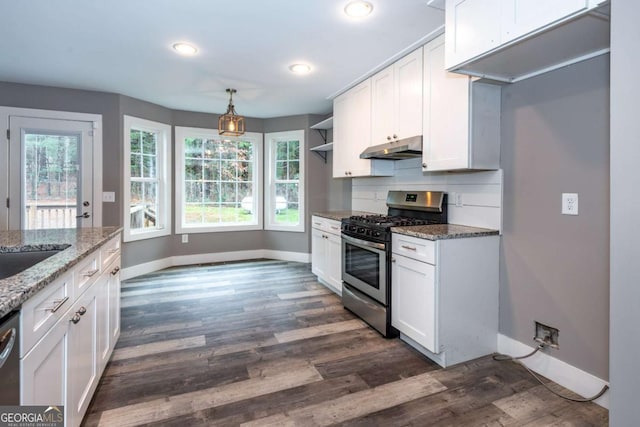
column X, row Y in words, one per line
column 230, row 123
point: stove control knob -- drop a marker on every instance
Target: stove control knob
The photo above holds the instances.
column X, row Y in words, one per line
column 360, row 229
column 376, row 234
column 367, row 232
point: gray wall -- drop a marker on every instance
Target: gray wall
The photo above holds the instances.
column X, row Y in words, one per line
column 555, row 268
column 80, row 101
column 114, row 106
column 625, row 211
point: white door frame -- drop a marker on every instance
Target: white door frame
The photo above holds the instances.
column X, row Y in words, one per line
column 96, row 119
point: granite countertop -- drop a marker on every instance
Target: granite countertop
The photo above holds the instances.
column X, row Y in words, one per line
column 339, row 215
column 16, row 289
column 444, row 231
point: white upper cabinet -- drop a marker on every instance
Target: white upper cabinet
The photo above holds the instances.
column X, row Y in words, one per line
column 461, row 117
column 396, row 110
column 352, row 135
column 521, row 17
column 472, row 27
column 496, row 38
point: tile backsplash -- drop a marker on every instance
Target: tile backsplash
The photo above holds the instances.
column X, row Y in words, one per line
column 475, row 198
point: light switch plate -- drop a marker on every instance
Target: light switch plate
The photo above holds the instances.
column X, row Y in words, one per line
column 570, row 203
column 109, row 196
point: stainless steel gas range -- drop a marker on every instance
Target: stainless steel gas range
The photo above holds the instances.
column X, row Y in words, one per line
column 366, row 253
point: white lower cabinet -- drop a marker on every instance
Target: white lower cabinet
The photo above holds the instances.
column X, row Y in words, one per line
column 444, row 296
column 326, row 252
column 414, row 300
column 64, row 366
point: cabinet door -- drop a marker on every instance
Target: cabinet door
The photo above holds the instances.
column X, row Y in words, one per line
column 359, row 128
column 524, row 16
column 114, row 304
column 408, row 82
column 382, row 106
column 44, row 368
column 102, row 319
column 334, row 261
column 318, row 253
column 82, row 356
column 341, row 150
column 446, row 113
column 473, row 27
column 413, row 301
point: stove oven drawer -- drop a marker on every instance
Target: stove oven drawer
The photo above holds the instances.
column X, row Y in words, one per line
column 413, row 247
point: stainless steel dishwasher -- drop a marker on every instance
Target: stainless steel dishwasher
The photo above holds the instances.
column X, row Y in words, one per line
column 10, row 359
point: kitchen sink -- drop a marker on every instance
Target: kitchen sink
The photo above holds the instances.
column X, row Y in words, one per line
column 12, row 263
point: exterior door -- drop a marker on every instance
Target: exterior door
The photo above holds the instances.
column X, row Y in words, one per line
column 50, row 173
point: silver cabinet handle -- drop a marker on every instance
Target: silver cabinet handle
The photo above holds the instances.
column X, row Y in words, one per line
column 388, row 138
column 113, row 251
column 81, row 311
column 410, row 248
column 393, row 260
column 424, row 166
column 75, row 319
column 333, row 227
column 395, row 136
column 115, row 271
column 57, row 304
column 90, row 272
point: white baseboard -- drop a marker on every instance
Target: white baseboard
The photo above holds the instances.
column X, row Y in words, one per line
column 568, row 376
column 147, row 267
column 150, row 267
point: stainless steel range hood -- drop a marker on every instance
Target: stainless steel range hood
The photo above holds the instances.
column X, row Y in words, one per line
column 407, row 148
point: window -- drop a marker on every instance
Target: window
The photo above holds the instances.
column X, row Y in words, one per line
column 147, row 176
column 218, row 186
column 284, row 203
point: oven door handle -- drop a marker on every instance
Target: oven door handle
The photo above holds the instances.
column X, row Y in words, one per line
column 359, row 242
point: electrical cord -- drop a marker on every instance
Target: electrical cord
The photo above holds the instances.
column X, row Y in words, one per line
column 505, row 357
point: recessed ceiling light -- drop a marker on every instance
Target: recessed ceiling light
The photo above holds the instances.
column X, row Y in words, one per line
column 185, row 48
column 300, row 68
column 358, row 9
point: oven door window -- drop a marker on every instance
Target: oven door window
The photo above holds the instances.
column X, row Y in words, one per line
column 363, row 264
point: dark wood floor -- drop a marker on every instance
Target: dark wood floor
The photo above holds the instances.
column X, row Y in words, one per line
column 263, row 343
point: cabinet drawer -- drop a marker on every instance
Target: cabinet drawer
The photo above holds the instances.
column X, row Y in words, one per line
column 325, row 224
column 86, row 272
column 413, row 247
column 110, row 251
column 43, row 310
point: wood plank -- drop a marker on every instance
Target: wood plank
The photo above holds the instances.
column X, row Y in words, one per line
column 315, row 331
column 158, row 347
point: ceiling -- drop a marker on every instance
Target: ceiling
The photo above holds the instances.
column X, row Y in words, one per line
column 124, row 46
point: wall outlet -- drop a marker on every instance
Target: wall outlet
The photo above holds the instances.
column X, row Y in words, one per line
column 108, row 196
column 546, row 335
column 570, row 203
column 458, row 198
column 185, row 238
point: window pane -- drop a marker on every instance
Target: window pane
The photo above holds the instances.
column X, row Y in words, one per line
column 193, row 213
column 294, row 150
column 148, row 143
column 211, row 192
column 193, row 191
column 192, row 169
column 149, row 166
column 192, row 147
column 135, row 141
column 228, row 171
column 281, row 170
column 228, row 150
column 245, row 172
column 211, row 170
column 294, row 170
column 211, row 149
column 136, row 165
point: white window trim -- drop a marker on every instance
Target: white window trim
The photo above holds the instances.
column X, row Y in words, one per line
column 5, row 112
column 164, row 170
column 270, row 189
column 189, row 132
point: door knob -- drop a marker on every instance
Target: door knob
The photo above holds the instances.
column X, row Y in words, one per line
column 84, row 215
